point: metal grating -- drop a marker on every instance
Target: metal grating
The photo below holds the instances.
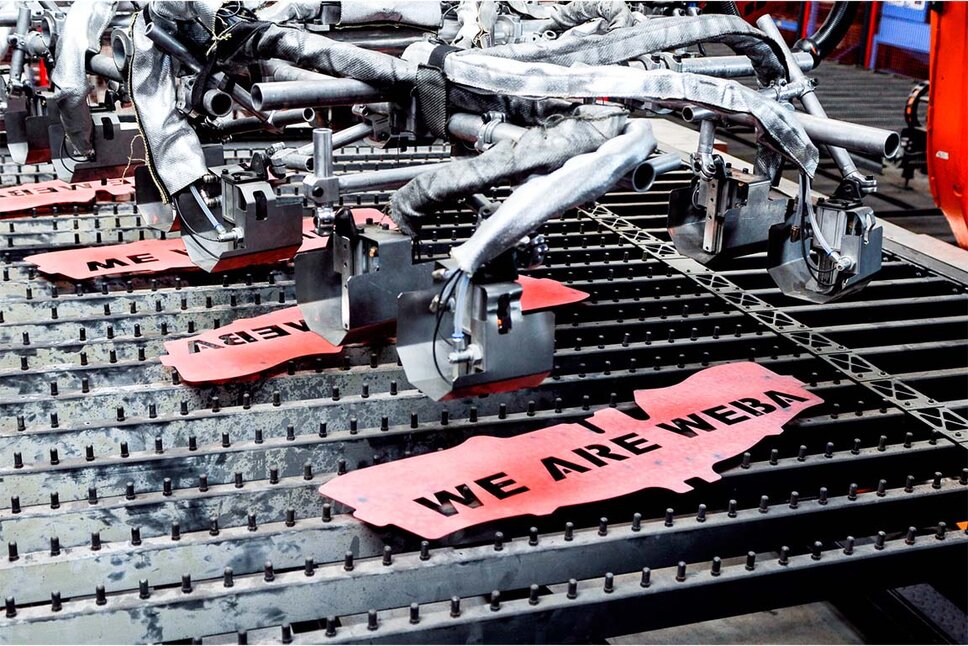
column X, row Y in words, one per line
column 156, row 511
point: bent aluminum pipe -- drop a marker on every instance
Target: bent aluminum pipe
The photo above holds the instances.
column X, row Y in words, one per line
column 641, row 179
column 376, row 40
column 104, row 66
column 809, row 99
column 121, row 49
column 733, row 66
column 311, row 94
column 831, row 132
column 22, row 24
column 587, row 177
column 302, row 157
column 276, row 118
column 276, row 70
column 467, row 127
column 380, row 180
column 168, row 44
column 216, row 103
column 171, row 46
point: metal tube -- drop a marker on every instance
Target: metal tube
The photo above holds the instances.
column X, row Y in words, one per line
column 121, row 49
column 344, row 137
column 276, row 118
column 376, row 40
column 379, row 180
column 644, row 175
column 9, row 19
column 736, row 66
column 104, row 66
column 809, row 99
column 467, row 127
column 852, row 136
column 311, row 94
column 169, row 45
column 216, row 103
column 322, row 152
column 17, row 57
column 350, row 135
column 275, row 70
column 842, row 134
column 302, row 157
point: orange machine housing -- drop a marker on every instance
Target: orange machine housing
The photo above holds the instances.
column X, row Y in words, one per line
column 948, row 115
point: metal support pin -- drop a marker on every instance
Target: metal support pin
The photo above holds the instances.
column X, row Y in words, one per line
column 816, row 550
column 784, row 555
column 533, row 594
column 646, row 577
column 609, row 586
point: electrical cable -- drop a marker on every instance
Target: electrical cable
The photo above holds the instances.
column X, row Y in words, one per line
column 441, row 302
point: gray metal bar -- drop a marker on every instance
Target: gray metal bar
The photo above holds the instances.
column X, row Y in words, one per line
column 734, row 66
column 332, row 590
column 467, row 127
column 821, row 130
column 103, row 65
column 154, row 512
column 594, row 611
column 312, row 94
column 17, row 57
column 809, row 99
column 161, row 559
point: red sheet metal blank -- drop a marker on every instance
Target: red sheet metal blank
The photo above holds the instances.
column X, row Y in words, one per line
column 713, row 415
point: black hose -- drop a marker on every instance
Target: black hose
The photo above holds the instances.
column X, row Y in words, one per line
column 831, row 32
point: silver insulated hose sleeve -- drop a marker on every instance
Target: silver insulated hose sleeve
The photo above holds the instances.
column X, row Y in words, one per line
column 84, row 24
column 581, row 179
column 171, row 142
column 525, row 79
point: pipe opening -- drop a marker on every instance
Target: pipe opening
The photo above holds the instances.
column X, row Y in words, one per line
column 643, row 177
column 120, row 48
column 892, row 145
column 256, row 93
column 217, row 103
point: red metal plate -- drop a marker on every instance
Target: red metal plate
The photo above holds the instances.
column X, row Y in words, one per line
column 152, row 256
column 245, row 347
column 713, row 415
column 544, row 293
column 17, row 200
